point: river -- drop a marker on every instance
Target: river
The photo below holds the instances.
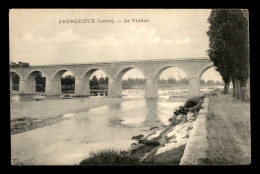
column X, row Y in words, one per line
column 107, row 127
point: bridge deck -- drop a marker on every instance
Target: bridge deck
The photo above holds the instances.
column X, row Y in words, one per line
column 123, row 62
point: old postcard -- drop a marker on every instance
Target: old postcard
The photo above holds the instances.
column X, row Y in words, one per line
column 129, row 87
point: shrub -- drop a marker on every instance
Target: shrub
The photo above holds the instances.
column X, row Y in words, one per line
column 193, row 101
column 192, row 104
column 152, row 142
column 182, row 110
column 109, row 157
column 137, row 137
column 20, row 119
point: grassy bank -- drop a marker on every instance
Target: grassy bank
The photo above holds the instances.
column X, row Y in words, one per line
column 109, row 157
column 228, row 127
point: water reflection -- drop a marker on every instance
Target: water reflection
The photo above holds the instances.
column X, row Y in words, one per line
column 98, row 93
column 26, row 98
column 126, row 93
column 151, row 112
column 133, row 93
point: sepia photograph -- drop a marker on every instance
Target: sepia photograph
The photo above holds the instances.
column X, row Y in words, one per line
column 129, row 87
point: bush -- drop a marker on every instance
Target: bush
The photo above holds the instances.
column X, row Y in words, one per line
column 137, row 137
column 109, row 157
column 192, row 104
column 152, row 142
column 182, row 110
column 193, row 101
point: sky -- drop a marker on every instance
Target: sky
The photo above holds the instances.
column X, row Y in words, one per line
column 39, row 37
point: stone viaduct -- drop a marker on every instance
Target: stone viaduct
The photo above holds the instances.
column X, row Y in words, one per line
column 151, row 69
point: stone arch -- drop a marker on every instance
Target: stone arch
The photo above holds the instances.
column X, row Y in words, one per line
column 159, row 71
column 12, row 79
column 91, row 70
column 55, row 86
column 123, row 70
column 152, row 82
column 195, row 80
column 16, row 72
column 115, row 84
column 82, row 84
column 203, row 69
column 201, row 73
column 31, row 81
column 30, row 73
column 61, row 71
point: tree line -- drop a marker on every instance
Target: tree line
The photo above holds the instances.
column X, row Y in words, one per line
column 229, row 49
column 68, row 83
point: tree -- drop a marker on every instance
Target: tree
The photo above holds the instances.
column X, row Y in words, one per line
column 106, row 81
column 229, row 48
column 202, row 82
column 40, row 82
column 94, row 83
column 67, row 83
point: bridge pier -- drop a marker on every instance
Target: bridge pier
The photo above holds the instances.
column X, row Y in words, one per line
column 11, row 85
column 114, row 88
column 151, row 88
column 194, row 86
column 86, row 86
column 78, row 86
column 52, row 86
column 27, row 86
column 82, row 86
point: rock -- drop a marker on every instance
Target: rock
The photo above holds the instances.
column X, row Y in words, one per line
column 190, row 127
column 175, row 141
column 134, row 145
column 179, row 117
column 152, row 142
column 151, row 128
column 191, row 119
column 137, row 137
column 190, row 116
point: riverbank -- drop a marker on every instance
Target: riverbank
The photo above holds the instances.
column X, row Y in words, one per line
column 229, row 133
column 175, row 87
column 23, row 117
column 163, row 147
